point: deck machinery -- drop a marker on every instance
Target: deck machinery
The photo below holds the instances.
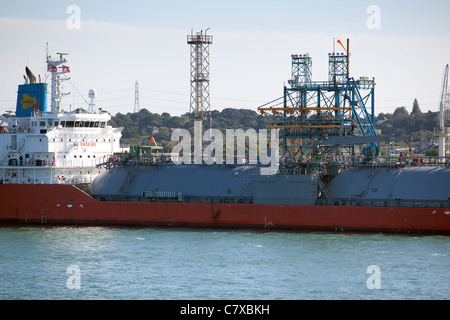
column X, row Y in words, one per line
column 312, row 112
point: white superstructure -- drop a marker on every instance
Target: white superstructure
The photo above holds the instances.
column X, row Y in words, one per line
column 55, row 146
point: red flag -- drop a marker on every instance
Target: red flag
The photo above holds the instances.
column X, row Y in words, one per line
column 153, row 139
column 339, row 41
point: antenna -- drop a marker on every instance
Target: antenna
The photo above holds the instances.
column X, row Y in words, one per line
column 136, row 97
column 57, row 69
column 92, row 95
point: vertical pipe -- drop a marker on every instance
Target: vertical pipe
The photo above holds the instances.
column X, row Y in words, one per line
column 348, row 58
column 373, row 103
column 348, row 72
column 441, row 131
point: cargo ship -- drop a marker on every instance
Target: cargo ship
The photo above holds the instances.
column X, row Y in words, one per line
column 67, row 167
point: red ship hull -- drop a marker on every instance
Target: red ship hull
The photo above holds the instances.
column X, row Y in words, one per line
column 67, row 205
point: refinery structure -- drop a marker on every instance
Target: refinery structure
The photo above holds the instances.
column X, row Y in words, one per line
column 332, row 111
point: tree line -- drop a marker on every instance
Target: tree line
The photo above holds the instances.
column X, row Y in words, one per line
column 408, row 126
column 139, row 127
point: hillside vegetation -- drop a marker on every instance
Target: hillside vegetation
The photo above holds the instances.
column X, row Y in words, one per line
column 141, row 126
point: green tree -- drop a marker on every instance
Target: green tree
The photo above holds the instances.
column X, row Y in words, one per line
column 416, row 108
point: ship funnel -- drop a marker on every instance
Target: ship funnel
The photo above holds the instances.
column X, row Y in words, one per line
column 30, row 75
column 31, row 96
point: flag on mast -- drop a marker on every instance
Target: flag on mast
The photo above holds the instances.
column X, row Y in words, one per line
column 339, row 41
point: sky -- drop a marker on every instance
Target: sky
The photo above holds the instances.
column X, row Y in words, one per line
column 405, row 45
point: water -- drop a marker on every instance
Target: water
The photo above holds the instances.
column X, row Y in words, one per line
column 121, row 263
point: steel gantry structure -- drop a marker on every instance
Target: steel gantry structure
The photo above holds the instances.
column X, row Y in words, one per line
column 316, row 110
column 200, row 101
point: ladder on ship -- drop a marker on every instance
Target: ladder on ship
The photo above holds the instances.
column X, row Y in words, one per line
column 15, row 147
column 4, row 155
column 130, row 177
column 244, row 188
column 324, row 188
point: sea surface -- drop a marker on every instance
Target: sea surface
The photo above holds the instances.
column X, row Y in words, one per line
column 188, row 264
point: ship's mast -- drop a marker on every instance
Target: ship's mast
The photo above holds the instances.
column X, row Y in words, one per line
column 57, row 70
column 442, row 132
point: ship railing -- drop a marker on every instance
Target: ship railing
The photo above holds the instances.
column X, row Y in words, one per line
column 76, row 179
column 386, row 203
column 117, row 160
column 59, row 164
column 179, row 197
column 81, row 163
column 308, row 164
column 314, row 84
column 400, row 161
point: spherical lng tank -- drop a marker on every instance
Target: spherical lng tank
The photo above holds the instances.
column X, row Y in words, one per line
column 203, row 183
column 192, row 180
column 409, row 183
